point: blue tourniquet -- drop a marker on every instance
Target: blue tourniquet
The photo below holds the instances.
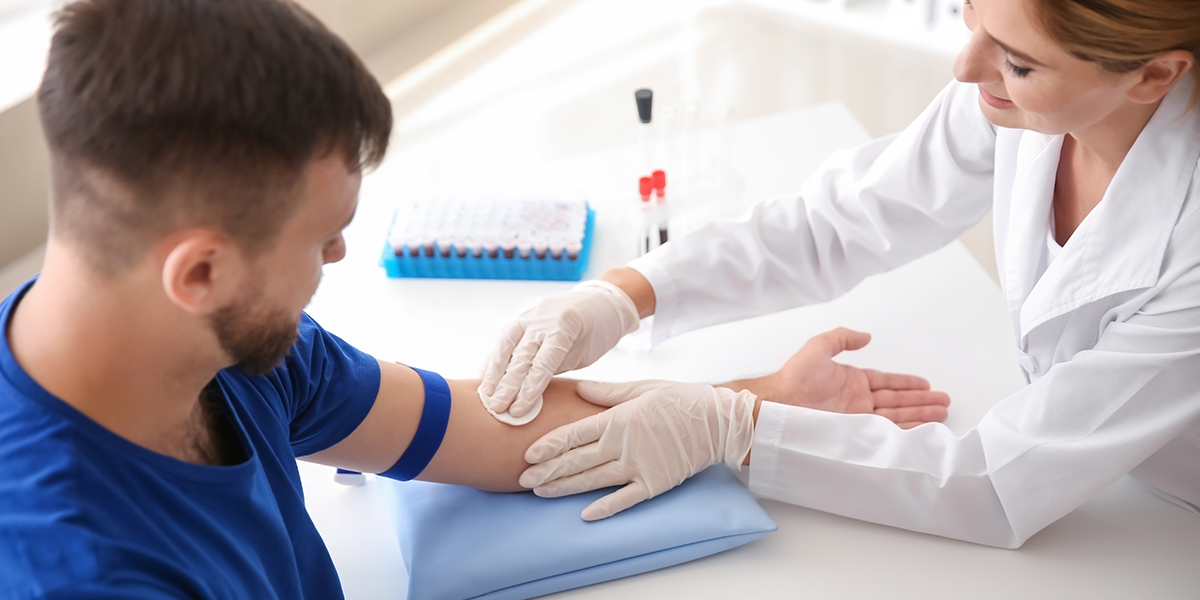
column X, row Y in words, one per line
column 430, row 431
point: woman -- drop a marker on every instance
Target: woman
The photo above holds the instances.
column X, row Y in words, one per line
column 1075, row 123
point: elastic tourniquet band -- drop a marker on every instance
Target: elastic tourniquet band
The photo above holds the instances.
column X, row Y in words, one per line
column 430, row 430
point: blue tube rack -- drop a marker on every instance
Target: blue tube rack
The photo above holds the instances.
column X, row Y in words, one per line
column 486, row 267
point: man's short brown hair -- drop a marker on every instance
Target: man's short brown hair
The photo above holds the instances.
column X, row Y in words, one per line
column 162, row 114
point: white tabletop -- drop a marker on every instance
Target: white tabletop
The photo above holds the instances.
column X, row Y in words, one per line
column 941, row 317
column 525, row 122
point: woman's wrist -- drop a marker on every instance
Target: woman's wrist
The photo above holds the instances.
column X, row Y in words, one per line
column 635, row 285
column 765, row 387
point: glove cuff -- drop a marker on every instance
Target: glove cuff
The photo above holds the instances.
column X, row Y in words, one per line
column 626, row 310
column 738, row 417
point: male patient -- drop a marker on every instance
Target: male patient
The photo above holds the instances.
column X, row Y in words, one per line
column 159, row 378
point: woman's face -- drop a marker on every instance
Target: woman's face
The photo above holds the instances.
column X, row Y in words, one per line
column 1026, row 80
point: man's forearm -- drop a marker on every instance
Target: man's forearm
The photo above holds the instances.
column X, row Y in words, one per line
column 477, row 450
column 481, row 452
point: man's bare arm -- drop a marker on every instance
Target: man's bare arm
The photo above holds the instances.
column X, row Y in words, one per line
column 478, row 450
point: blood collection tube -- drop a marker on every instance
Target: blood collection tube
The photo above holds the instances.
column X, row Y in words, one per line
column 444, row 244
column 573, row 250
column 507, row 244
column 645, row 100
column 492, row 246
column 460, row 246
column 557, row 246
column 476, row 246
column 524, row 246
column 659, row 179
column 397, row 239
column 540, row 243
column 645, row 188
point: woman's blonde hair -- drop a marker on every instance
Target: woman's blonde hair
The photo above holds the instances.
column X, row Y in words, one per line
column 1123, row 35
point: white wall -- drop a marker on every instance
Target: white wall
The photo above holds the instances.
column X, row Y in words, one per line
column 368, row 25
column 391, row 35
column 24, row 171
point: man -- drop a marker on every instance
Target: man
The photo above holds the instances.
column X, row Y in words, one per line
column 206, row 156
column 159, row 378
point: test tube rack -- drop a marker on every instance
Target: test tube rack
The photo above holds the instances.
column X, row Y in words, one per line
column 457, row 258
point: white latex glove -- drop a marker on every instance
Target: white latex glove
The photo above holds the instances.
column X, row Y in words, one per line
column 560, row 333
column 658, row 434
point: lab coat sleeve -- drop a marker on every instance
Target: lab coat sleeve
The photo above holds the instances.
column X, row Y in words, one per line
column 1036, row 456
column 866, row 210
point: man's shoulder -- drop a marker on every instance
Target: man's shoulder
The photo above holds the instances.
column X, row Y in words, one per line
column 61, row 560
column 39, row 453
column 37, row 558
column 41, row 546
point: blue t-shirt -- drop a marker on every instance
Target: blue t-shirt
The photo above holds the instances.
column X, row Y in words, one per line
column 85, row 513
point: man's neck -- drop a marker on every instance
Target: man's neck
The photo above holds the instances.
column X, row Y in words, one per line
column 117, row 353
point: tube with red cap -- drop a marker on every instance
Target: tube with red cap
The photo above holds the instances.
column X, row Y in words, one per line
column 659, row 180
column 645, row 188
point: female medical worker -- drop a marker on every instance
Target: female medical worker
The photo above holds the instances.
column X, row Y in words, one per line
column 1076, row 124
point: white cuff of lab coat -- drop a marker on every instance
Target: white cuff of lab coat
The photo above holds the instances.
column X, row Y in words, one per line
column 665, row 296
column 764, row 452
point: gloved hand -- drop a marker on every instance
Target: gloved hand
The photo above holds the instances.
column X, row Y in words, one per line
column 658, row 434
column 560, row 333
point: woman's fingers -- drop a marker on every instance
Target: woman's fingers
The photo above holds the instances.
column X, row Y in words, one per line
column 518, row 367
column 571, row 463
column 562, row 439
column 606, row 475
column 497, row 362
column 615, row 502
column 612, row 394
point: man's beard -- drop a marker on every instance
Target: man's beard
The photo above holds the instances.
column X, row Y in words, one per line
column 256, row 342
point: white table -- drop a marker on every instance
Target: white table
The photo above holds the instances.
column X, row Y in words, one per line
column 941, row 317
column 542, row 115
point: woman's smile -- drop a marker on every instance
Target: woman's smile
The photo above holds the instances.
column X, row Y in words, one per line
column 995, row 101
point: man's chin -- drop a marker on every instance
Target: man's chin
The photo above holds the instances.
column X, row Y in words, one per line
column 273, row 346
column 256, row 346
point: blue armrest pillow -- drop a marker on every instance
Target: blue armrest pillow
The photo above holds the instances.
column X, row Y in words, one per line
column 461, row 543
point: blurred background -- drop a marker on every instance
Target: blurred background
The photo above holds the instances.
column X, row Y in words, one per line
column 442, row 63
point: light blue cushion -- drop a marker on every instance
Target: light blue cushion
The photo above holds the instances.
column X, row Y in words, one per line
column 462, row 543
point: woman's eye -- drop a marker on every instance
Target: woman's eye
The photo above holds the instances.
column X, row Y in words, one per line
column 1015, row 70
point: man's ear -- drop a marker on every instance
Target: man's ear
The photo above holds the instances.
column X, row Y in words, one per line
column 202, row 270
column 1158, row 76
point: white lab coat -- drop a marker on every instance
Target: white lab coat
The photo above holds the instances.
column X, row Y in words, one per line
column 1108, row 333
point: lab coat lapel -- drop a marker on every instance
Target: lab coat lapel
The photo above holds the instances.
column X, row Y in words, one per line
column 1120, row 245
column 1029, row 214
